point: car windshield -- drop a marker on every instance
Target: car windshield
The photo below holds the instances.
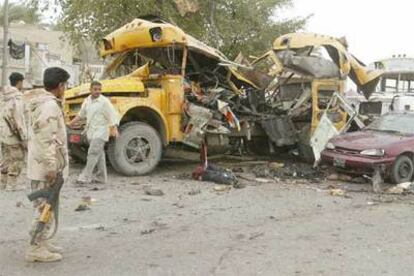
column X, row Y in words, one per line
column 398, row 122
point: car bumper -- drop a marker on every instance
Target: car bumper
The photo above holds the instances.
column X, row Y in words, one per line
column 356, row 164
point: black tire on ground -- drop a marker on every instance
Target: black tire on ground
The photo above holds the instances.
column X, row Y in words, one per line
column 402, row 170
column 137, row 151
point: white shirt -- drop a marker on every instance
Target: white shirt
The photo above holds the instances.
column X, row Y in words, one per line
column 100, row 114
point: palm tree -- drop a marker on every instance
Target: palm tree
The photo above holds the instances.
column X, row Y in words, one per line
column 21, row 13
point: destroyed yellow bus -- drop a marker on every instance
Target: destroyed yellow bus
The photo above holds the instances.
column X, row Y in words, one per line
column 172, row 90
column 308, row 69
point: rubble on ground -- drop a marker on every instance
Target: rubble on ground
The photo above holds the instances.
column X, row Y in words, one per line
column 290, row 170
column 85, row 204
column 399, row 189
column 153, row 192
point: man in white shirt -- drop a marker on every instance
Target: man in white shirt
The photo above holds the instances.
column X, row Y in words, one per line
column 101, row 123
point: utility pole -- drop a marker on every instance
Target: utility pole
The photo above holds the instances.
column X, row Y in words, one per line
column 5, row 41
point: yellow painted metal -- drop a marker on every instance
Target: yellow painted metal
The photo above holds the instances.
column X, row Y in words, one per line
column 318, row 86
column 165, row 101
column 124, row 84
column 347, row 63
column 136, row 34
column 156, row 101
column 142, row 72
column 277, row 67
column 173, row 105
column 168, row 96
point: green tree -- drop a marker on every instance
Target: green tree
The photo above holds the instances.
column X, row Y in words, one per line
column 232, row 26
column 18, row 12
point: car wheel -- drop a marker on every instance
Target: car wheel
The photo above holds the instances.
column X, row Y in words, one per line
column 402, row 170
column 137, row 150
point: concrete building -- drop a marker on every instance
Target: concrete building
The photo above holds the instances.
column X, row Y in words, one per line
column 45, row 48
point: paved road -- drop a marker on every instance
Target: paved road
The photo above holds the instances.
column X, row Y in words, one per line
column 270, row 228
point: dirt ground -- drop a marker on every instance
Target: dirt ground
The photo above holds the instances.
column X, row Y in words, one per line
column 272, row 226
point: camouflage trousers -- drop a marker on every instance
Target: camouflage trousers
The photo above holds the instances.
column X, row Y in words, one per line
column 95, row 169
column 37, row 211
column 12, row 161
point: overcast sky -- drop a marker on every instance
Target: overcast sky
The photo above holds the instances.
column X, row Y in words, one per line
column 374, row 29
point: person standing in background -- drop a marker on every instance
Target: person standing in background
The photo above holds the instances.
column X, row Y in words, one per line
column 13, row 133
column 102, row 121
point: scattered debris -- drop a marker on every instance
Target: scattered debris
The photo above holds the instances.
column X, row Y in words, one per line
column 153, row 192
column 194, row 192
column 146, row 232
column 19, row 204
column 212, row 173
column 333, row 177
column 159, row 225
column 291, row 170
column 262, row 180
column 256, row 235
column 340, row 177
column 215, row 174
column 360, row 180
column 239, row 185
column 183, row 176
column 222, row 188
column 82, row 207
column 253, row 163
column 405, row 185
column 276, row 165
column 178, row 205
column 100, row 228
column 399, row 189
column 245, row 178
column 337, row 192
column 85, row 204
column 237, row 170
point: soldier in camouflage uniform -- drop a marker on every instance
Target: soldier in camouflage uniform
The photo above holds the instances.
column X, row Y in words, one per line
column 47, row 151
column 13, row 133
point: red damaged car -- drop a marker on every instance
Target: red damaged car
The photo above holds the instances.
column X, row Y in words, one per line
column 387, row 143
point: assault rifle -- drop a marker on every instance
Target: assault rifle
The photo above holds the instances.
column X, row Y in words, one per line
column 51, row 206
column 13, row 128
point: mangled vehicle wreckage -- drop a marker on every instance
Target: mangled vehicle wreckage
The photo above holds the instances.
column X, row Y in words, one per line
column 308, row 70
column 172, row 90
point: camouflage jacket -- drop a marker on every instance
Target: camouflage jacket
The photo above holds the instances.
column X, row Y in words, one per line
column 47, row 144
column 13, row 129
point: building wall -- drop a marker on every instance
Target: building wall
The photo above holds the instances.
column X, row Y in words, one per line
column 44, row 48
